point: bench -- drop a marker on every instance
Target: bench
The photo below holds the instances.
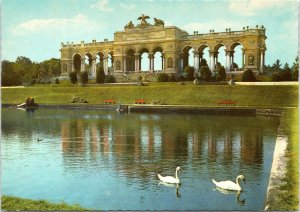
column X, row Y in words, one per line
column 139, row 101
column 226, row 102
column 110, row 101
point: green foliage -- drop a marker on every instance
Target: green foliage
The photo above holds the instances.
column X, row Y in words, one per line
column 173, row 78
column 110, row 79
column 295, row 75
column 84, row 77
column 189, row 70
column 162, row 77
column 9, row 76
column 73, row 77
column 205, row 73
column 139, row 78
column 9, row 203
column 221, row 73
column 100, row 75
column 56, row 81
column 203, row 62
column 248, row 76
column 284, row 75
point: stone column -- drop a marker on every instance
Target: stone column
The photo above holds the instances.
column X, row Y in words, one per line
column 105, row 63
column 137, row 62
column 82, row 65
column 124, row 63
column 162, row 61
column 94, row 66
column 261, row 62
column 227, row 53
column 196, row 61
column 211, row 61
column 151, row 63
column 181, row 62
column 243, row 58
column 72, row 63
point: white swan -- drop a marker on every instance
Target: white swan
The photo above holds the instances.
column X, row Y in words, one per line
column 169, row 179
column 229, row 185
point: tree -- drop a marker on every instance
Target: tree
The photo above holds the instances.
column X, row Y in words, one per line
column 189, row 70
column 221, row 73
column 248, row 76
column 100, row 75
column 295, row 70
column 84, row 77
column 9, row 76
column 205, row 73
column 286, row 67
column 110, row 79
column 285, row 75
column 73, row 77
column 203, row 62
column 277, row 64
column 162, row 77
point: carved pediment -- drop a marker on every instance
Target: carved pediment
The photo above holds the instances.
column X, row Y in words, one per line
column 144, row 24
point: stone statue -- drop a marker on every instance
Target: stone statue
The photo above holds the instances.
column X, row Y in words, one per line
column 158, row 22
column 143, row 20
column 129, row 25
column 251, row 60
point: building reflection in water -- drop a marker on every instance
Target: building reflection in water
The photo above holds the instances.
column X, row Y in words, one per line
column 144, row 145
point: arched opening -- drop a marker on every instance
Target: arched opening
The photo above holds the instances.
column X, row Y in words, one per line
column 130, row 60
column 158, row 59
column 88, row 63
column 77, row 63
column 220, row 55
column 188, row 56
column 110, row 62
column 144, row 60
column 204, row 59
column 237, row 57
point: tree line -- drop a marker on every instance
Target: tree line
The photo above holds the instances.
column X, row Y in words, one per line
column 24, row 71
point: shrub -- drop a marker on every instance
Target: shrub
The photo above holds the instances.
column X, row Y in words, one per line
column 73, row 77
column 181, row 79
column 84, row 77
column 100, row 75
column 285, row 75
column 295, row 75
column 189, row 70
column 162, row 77
column 56, row 81
column 140, row 78
column 221, row 73
column 248, row 76
column 110, row 79
column 173, row 78
column 205, row 73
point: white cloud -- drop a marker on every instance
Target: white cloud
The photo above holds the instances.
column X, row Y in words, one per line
column 218, row 25
column 253, row 7
column 128, row 6
column 79, row 22
column 103, row 6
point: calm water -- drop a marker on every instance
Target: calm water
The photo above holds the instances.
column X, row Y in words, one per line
column 105, row 160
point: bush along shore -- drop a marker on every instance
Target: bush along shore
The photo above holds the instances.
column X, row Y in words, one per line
column 9, row 203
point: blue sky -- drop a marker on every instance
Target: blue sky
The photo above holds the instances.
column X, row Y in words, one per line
column 36, row 28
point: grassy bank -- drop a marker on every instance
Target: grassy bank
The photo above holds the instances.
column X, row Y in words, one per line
column 168, row 93
column 9, row 203
column 290, row 187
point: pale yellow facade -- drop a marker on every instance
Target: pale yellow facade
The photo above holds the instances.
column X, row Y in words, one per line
column 123, row 55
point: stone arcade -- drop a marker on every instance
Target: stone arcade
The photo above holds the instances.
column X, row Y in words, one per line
column 123, row 56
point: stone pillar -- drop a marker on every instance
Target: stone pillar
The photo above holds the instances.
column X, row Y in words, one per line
column 243, row 58
column 151, row 57
column 181, row 63
column 228, row 65
column 124, row 63
column 82, row 69
column 261, row 62
column 94, row 66
column 196, row 61
column 211, row 61
column 137, row 62
column 72, row 63
column 105, row 63
column 162, row 61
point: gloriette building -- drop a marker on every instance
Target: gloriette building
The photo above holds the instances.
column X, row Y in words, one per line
column 123, row 56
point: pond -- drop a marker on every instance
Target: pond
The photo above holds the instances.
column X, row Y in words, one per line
column 109, row 161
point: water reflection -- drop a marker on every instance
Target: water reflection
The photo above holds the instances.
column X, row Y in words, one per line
column 237, row 194
column 176, row 186
column 93, row 154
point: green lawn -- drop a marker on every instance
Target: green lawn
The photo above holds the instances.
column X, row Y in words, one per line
column 9, row 203
column 169, row 93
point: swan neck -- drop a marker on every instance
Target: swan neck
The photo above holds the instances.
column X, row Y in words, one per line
column 176, row 175
column 237, row 181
